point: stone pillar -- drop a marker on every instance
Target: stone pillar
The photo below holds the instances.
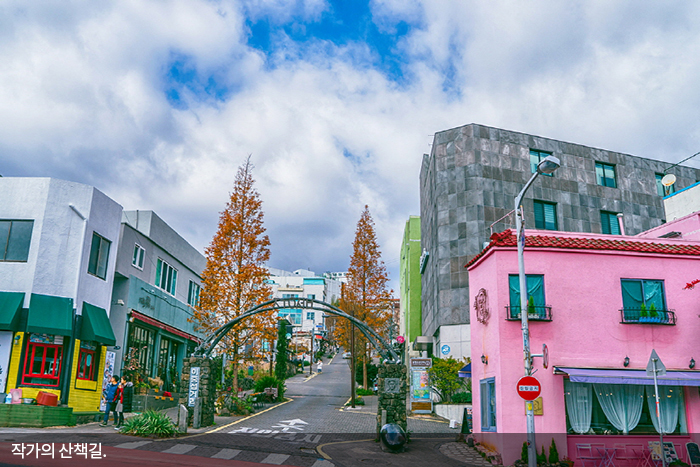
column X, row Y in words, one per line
column 207, row 389
column 393, row 390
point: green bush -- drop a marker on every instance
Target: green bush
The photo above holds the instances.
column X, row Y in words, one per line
column 523, row 453
column 364, row 392
column 462, row 398
column 553, row 453
column 150, row 423
column 371, row 372
column 270, row 382
column 238, row 406
column 358, row 401
column 541, row 458
column 246, row 383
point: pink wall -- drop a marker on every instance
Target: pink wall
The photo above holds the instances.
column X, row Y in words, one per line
column 583, row 288
column 688, row 225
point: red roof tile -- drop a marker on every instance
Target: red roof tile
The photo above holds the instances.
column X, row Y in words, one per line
column 507, row 238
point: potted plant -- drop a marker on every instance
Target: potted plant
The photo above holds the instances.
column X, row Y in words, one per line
column 531, row 311
column 653, row 314
column 643, row 314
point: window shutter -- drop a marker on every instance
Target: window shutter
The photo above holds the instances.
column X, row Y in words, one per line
column 550, row 217
column 539, row 215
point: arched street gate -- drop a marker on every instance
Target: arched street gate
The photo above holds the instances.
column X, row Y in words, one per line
column 391, row 375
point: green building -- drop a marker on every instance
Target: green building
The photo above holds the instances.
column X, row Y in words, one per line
column 410, row 281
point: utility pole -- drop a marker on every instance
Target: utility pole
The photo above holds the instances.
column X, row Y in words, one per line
column 352, row 357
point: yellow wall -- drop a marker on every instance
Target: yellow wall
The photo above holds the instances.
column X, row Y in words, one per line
column 85, row 400
column 82, row 400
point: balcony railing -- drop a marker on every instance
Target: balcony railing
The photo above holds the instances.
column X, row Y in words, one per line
column 535, row 313
column 635, row 316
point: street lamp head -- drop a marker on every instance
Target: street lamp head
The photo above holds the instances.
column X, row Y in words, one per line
column 548, row 165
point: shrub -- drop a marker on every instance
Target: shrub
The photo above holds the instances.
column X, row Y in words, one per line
column 239, row 406
column 553, row 454
column 246, row 383
column 541, row 458
column 462, row 397
column 364, row 392
column 270, row 382
column 358, row 401
column 371, row 372
column 523, row 453
column 150, row 423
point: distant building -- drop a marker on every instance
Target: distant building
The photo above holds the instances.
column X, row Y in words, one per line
column 469, row 181
column 57, row 261
column 341, row 277
column 410, row 282
column 156, row 286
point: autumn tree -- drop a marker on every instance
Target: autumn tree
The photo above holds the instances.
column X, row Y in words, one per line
column 235, row 276
column 365, row 295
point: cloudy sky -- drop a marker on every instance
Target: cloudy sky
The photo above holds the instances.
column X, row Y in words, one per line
column 157, row 103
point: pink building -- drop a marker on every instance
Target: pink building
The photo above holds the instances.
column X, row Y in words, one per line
column 600, row 303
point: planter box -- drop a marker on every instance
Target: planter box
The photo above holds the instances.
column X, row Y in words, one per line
column 451, row 411
column 24, row 415
column 142, row 403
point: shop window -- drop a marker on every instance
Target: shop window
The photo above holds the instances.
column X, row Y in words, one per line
column 193, row 294
column 88, row 359
column 166, row 277
column 43, row 357
column 141, row 343
column 15, row 237
column 609, row 223
column 487, row 394
column 545, row 215
column 137, row 259
column 535, row 158
column 605, row 174
column 99, row 256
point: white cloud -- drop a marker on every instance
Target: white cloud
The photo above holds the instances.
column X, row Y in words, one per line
column 83, row 97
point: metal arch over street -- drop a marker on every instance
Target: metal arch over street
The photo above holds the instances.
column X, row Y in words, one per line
column 206, row 347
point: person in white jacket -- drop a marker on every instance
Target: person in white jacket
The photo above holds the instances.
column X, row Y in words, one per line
column 319, row 366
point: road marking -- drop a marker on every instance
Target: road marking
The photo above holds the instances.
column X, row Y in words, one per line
column 286, row 425
column 180, row 449
column 323, row 463
column 226, row 454
column 275, row 459
column 244, row 419
column 320, row 450
column 132, row 445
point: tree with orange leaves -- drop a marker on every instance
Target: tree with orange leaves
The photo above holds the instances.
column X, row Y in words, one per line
column 365, row 295
column 235, row 276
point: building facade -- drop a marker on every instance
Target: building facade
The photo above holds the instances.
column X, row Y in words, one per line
column 59, row 248
column 601, row 304
column 469, row 182
column 156, row 286
column 410, row 282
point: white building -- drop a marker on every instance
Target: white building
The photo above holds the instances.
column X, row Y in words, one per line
column 59, row 247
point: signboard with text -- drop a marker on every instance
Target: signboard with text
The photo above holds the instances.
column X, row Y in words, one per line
column 420, row 385
column 194, row 386
column 529, row 388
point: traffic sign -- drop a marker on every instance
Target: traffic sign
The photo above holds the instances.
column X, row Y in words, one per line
column 529, row 388
column 655, row 365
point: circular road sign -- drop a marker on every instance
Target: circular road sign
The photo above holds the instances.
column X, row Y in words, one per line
column 529, row 388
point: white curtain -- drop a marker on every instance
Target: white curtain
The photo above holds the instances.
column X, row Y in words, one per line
column 579, row 405
column 622, row 404
column 669, row 406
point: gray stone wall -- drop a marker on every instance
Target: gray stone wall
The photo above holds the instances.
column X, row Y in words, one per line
column 393, row 403
column 471, row 178
column 207, row 389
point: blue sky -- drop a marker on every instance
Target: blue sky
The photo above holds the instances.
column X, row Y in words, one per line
column 157, row 103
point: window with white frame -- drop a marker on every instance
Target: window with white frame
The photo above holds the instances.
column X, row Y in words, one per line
column 137, row 259
column 193, row 294
column 166, row 277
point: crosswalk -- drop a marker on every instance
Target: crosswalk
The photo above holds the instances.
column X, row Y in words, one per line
column 226, row 453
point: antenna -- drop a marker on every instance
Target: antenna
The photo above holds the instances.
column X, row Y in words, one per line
column 668, row 180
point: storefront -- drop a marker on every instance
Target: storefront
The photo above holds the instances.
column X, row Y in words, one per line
column 55, row 351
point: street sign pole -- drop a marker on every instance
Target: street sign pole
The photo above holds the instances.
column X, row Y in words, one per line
column 655, row 366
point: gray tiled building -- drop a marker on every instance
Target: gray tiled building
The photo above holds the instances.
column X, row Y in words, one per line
column 470, row 180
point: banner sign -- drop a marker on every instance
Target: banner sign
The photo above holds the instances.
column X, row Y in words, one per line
column 194, row 386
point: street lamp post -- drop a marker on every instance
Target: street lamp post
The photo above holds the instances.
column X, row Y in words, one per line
column 548, row 165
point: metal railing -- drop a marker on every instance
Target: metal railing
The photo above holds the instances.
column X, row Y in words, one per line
column 639, row 316
column 535, row 313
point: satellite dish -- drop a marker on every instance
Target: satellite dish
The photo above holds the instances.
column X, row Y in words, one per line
column 668, row 180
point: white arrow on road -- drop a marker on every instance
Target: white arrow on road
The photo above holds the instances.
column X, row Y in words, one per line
column 291, row 424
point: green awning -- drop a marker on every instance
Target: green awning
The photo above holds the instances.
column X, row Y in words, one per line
column 50, row 315
column 10, row 306
column 96, row 325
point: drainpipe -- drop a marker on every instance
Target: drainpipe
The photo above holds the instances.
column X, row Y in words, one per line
column 68, row 361
column 620, row 223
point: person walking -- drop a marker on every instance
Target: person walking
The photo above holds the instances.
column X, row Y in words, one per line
column 110, row 397
column 125, row 401
column 320, row 366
